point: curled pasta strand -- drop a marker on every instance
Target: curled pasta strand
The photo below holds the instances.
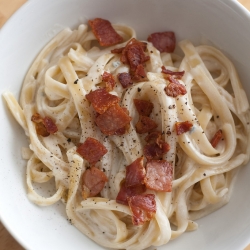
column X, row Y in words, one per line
column 33, row 195
column 209, row 193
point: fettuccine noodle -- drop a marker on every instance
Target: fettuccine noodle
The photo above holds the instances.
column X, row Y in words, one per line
column 203, row 175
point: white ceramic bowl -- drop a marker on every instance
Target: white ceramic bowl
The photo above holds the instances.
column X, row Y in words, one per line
column 223, row 22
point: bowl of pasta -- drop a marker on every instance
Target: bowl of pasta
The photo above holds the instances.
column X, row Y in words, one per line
column 125, row 125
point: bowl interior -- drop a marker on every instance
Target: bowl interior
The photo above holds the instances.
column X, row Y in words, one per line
column 224, row 23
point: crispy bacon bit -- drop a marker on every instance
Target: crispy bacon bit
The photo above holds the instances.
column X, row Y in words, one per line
column 91, row 150
column 156, row 147
column 134, row 181
column 101, row 100
column 135, row 173
column 152, row 151
column 133, row 54
column 183, row 127
column 153, row 137
column 164, row 146
column 216, row 138
column 123, row 130
column 174, row 88
column 93, row 181
column 112, row 120
column 125, row 79
column 155, row 151
column 159, row 175
column 126, row 192
column 104, row 32
column 41, row 130
column 145, row 125
column 117, row 51
column 163, row 41
column 178, row 74
column 139, row 74
column 44, row 126
column 143, row 208
column 50, row 125
column 109, row 80
column 143, row 107
column 36, row 118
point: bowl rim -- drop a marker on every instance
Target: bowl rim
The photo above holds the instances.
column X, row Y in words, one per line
column 238, row 7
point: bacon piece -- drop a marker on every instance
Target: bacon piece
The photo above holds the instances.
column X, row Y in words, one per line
column 156, row 151
column 174, row 88
column 125, row 79
column 117, row 51
column 152, row 151
column 126, row 192
column 143, row 107
column 178, row 74
column 135, row 56
column 143, row 208
column 145, row 125
column 41, row 130
column 135, row 173
column 101, row 100
column 104, row 32
column 109, row 80
column 125, row 110
column 112, row 120
column 123, row 130
column 134, row 181
column 164, row 146
column 91, row 150
column 183, row 127
column 44, row 126
column 163, row 41
column 216, row 138
column 50, row 125
column 159, row 175
column 153, row 137
column 156, row 147
column 133, row 53
column 93, row 181
column 36, row 118
column 139, row 74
